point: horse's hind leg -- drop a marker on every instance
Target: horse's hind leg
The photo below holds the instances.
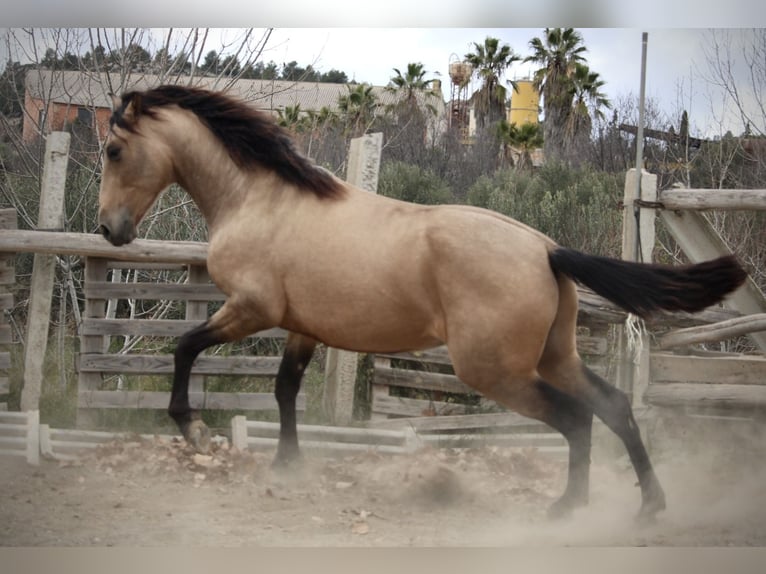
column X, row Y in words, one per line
column 574, row 419
column 298, row 352
column 613, row 407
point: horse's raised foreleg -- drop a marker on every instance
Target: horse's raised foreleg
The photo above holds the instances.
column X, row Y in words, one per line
column 235, row 320
column 189, row 422
column 298, row 352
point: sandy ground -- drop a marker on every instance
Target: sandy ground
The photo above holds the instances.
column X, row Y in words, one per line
column 158, row 493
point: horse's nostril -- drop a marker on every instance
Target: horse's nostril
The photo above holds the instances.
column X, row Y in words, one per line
column 104, row 231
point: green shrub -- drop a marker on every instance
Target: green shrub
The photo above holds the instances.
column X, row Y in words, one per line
column 412, row 183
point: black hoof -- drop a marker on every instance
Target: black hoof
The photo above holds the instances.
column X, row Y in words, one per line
column 652, row 503
column 197, row 434
column 647, row 516
column 563, row 508
column 287, row 460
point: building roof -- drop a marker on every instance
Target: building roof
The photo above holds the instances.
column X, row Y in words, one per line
column 92, row 89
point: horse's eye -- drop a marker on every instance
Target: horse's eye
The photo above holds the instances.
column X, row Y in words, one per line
column 113, row 152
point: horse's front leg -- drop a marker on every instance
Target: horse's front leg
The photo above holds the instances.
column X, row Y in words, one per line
column 189, row 422
column 298, row 352
column 230, row 323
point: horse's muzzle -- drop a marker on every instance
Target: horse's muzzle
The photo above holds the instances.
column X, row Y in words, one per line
column 117, row 230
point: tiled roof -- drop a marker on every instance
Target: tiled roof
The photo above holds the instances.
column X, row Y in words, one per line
column 93, row 89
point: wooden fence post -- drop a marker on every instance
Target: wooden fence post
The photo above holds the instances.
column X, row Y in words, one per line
column 341, row 366
column 44, row 268
column 7, row 278
column 638, row 240
column 95, row 271
column 197, row 311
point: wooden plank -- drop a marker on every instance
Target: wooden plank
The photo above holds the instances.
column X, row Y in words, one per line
column 723, row 370
column 146, row 266
column 461, row 422
column 14, row 443
column 727, row 199
column 160, row 400
column 13, row 417
column 521, row 440
column 95, row 270
column 248, row 401
column 5, row 361
column 92, row 245
column 707, row 396
column 323, row 446
column 401, row 406
column 13, row 429
column 163, row 291
column 6, row 301
column 6, row 336
column 196, row 310
column 7, row 270
column 156, row 328
column 586, row 345
column 436, row 355
column 715, row 332
column 163, row 364
column 421, row 380
column 8, row 218
column 5, row 386
column 266, row 429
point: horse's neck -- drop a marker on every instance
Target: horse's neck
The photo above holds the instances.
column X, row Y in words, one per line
column 206, row 171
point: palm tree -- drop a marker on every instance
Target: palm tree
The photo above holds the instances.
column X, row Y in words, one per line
column 358, row 108
column 587, row 97
column 290, row 117
column 490, row 61
column 557, row 53
column 410, row 84
column 520, row 141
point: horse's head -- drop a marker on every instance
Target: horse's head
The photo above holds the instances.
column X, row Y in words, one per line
column 137, row 168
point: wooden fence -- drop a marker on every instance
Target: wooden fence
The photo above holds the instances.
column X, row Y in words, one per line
column 98, row 364
column 674, row 371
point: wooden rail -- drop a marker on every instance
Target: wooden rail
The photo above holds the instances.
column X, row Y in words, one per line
column 716, row 332
column 92, row 245
column 701, row 199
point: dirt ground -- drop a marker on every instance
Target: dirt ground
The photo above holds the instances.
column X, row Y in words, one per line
column 157, row 493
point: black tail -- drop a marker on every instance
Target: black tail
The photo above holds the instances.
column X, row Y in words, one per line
column 642, row 288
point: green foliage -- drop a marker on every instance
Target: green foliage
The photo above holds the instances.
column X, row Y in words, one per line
column 412, row 183
column 577, row 208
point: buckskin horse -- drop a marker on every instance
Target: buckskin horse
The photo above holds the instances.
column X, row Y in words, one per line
column 293, row 246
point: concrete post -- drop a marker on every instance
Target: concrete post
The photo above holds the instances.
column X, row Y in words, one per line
column 44, row 268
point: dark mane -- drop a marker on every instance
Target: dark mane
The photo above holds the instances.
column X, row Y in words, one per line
column 251, row 137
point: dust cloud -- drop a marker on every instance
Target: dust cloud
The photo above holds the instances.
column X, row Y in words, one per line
column 155, row 493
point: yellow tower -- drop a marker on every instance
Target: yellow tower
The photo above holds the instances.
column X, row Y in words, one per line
column 525, row 104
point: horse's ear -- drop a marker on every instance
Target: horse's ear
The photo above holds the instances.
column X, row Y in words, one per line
column 116, row 102
column 135, row 104
column 132, row 109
